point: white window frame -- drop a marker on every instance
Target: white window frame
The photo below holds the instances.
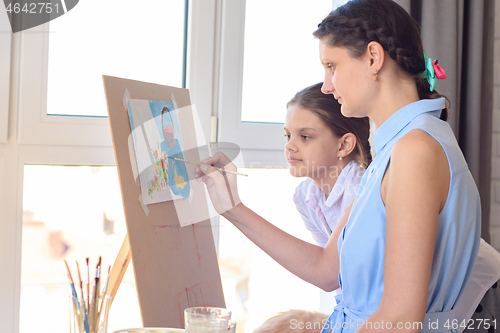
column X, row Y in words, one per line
column 201, row 72
column 261, row 143
column 5, row 44
column 266, row 148
column 35, row 125
column 201, row 57
column 17, row 152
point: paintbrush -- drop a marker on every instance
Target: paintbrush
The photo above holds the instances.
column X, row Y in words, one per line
column 88, row 286
column 95, row 305
column 86, row 321
column 104, row 293
column 200, row 164
column 75, row 296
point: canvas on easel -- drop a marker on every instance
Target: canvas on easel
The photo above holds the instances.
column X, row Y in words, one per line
column 166, row 212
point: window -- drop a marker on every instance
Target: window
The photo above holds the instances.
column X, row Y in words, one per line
column 70, row 213
column 261, row 69
column 280, row 55
column 69, row 60
column 59, row 142
column 116, row 45
column 268, row 53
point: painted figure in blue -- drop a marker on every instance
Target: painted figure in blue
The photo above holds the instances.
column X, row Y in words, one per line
column 168, row 126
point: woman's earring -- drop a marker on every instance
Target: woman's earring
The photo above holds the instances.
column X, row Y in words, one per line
column 374, row 77
column 340, row 158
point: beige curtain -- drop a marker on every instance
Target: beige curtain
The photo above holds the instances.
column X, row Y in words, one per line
column 460, row 33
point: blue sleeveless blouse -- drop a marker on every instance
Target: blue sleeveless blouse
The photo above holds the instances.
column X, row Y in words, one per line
column 361, row 244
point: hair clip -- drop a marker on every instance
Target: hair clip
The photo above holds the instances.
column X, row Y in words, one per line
column 429, row 72
column 440, row 74
column 433, row 71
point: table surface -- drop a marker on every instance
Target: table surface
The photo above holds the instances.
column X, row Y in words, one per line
column 151, row 330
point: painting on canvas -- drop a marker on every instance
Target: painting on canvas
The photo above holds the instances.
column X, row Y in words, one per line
column 157, row 136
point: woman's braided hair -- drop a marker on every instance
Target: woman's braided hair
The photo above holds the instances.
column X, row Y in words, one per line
column 360, row 22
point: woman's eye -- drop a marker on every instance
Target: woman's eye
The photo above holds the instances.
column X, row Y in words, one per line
column 287, row 137
column 305, row 137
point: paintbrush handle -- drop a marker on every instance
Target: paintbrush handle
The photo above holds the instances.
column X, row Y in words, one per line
column 88, row 289
column 217, row 168
column 230, row 171
column 83, row 305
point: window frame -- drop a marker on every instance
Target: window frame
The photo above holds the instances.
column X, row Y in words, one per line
column 266, row 148
column 35, row 125
column 5, row 42
column 261, row 144
column 202, row 31
column 46, row 155
column 28, row 135
column 201, row 71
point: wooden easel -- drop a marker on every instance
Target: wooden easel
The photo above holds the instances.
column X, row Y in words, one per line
column 175, row 266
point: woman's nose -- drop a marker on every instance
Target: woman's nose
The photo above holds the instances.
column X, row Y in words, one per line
column 327, row 87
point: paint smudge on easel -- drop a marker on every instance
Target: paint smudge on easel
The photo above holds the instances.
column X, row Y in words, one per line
column 192, row 296
column 196, row 244
column 177, row 240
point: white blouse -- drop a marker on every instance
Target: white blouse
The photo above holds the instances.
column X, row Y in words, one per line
column 485, row 273
column 321, row 216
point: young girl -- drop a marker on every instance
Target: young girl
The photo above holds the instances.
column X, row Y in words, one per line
column 404, row 252
column 332, row 152
column 334, row 170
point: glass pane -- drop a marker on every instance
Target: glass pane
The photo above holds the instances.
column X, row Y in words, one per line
column 129, row 39
column 70, row 213
column 281, row 55
column 255, row 286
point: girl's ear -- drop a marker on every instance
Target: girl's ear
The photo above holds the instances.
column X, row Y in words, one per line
column 348, row 143
column 376, row 55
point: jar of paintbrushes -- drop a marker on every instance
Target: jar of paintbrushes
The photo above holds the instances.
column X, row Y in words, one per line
column 88, row 303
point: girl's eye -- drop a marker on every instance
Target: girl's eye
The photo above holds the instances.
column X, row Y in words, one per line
column 287, row 136
column 305, row 137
